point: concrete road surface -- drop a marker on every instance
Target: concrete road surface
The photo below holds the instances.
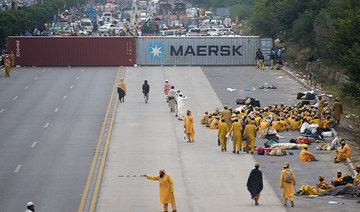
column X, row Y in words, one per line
column 147, row 137
column 50, row 123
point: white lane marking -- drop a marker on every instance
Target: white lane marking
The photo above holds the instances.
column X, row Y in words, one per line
column 77, row 78
column 46, row 125
column 27, row 87
column 15, row 98
column 56, row 110
column 2, row 110
column 17, row 168
column 33, row 144
column 64, row 97
column 71, row 86
column 36, row 78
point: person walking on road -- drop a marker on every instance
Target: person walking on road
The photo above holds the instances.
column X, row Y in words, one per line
column 255, row 183
column 166, row 189
column 236, row 129
column 337, row 110
column 287, row 181
column 167, row 87
column 250, row 133
column 309, row 62
column 122, row 90
column 171, row 98
column 189, row 126
column 261, row 59
column 223, row 129
column 7, row 64
column 181, row 106
column 30, row 207
column 146, row 90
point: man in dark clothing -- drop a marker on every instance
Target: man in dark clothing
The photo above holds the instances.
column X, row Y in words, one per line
column 257, row 58
column 146, row 90
column 261, row 59
column 255, row 183
column 309, row 62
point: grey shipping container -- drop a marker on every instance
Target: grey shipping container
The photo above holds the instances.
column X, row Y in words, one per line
column 197, row 50
column 266, row 45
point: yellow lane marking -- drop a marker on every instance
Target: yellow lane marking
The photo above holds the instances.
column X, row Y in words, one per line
column 83, row 199
column 106, row 148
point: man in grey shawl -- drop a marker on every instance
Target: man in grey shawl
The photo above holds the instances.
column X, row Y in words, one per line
column 255, row 183
column 172, row 100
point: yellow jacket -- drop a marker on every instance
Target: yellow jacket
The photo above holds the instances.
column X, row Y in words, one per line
column 305, row 155
column 189, row 124
column 277, row 126
column 236, row 129
column 263, row 125
column 250, row 130
column 204, row 119
column 223, row 129
column 345, row 152
column 166, row 187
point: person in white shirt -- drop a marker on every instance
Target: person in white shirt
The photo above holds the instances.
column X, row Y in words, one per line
column 30, row 207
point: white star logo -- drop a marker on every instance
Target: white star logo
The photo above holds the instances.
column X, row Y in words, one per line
column 156, row 51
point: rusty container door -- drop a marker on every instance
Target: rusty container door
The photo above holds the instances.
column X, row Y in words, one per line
column 72, row 51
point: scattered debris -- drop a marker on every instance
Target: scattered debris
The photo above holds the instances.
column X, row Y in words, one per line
column 347, row 116
column 332, row 203
column 231, row 89
column 351, row 127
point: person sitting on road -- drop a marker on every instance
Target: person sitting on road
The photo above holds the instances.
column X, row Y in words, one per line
column 305, row 156
column 204, row 118
column 357, row 178
column 343, row 153
column 338, row 179
column 315, row 190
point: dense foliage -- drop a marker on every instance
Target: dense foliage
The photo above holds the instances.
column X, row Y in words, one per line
column 331, row 27
column 17, row 22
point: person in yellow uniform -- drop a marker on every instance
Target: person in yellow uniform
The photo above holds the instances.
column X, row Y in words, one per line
column 255, row 183
column 226, row 114
column 189, row 126
column 222, row 131
column 277, row 125
column 315, row 190
column 250, row 131
column 263, row 125
column 305, row 156
column 204, row 118
column 236, row 129
column 12, row 59
column 287, row 181
column 321, row 105
column 166, row 189
column 343, row 153
column 215, row 123
column 336, row 181
column 284, row 125
column 337, row 110
column 316, row 120
column 7, row 64
column 357, row 178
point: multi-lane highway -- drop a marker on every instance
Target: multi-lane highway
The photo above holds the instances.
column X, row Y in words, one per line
column 50, row 123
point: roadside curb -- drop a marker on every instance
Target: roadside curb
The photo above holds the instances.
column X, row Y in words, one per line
column 301, row 81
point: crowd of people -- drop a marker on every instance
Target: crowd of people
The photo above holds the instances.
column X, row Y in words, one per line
column 242, row 125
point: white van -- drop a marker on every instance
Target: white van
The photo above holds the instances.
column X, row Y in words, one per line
column 87, row 26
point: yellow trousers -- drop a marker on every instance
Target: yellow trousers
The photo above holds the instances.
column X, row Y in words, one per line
column 237, row 143
column 271, row 63
column 173, row 204
column 309, row 190
column 190, row 135
column 223, row 141
column 7, row 71
column 257, row 63
column 261, row 64
column 250, row 145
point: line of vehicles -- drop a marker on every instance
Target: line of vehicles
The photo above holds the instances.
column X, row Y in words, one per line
column 138, row 18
